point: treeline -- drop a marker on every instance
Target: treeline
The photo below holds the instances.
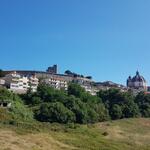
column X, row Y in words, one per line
column 78, row 106
column 75, row 105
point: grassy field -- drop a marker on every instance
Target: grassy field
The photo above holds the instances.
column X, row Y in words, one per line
column 126, row 134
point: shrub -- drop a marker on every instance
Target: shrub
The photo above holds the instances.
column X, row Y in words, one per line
column 55, row 112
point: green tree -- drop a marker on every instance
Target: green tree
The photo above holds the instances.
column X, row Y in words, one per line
column 143, row 101
column 116, row 112
column 55, row 112
column 119, row 103
column 92, row 115
column 76, row 90
column 17, row 110
column 1, row 73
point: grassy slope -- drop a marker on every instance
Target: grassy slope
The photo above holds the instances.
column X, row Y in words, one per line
column 126, row 134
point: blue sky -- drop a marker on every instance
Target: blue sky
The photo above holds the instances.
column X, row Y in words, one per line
column 108, row 39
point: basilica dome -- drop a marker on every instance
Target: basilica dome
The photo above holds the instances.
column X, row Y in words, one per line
column 137, row 82
column 138, row 78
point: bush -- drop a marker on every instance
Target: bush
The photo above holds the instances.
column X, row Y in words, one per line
column 5, row 115
column 105, row 133
column 143, row 102
column 20, row 112
column 55, row 112
column 119, row 104
column 17, row 111
column 116, row 112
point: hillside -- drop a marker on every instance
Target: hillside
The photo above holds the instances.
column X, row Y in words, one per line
column 125, row 134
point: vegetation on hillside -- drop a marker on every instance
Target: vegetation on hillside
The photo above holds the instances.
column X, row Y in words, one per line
column 78, row 106
column 124, row 134
column 75, row 105
column 1, row 73
column 39, row 113
column 18, row 111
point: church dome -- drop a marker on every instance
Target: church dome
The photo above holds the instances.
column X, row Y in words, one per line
column 129, row 78
column 138, row 78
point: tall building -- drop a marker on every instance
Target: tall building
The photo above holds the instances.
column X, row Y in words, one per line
column 52, row 70
column 137, row 82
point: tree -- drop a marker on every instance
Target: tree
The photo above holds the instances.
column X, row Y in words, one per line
column 119, row 104
column 143, row 102
column 116, row 112
column 76, row 90
column 89, row 77
column 55, row 112
column 92, row 115
column 1, row 73
column 68, row 72
column 17, row 110
column 130, row 109
column 78, row 108
column 102, row 112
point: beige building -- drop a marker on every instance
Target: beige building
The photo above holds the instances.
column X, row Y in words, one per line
column 33, row 82
column 56, row 82
column 20, row 84
column 2, row 82
column 87, row 84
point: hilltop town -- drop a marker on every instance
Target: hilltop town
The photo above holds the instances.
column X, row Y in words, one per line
column 99, row 113
column 19, row 81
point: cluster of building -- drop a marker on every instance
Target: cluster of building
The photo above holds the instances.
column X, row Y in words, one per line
column 19, row 81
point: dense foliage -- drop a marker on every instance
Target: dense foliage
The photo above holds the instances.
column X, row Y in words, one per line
column 17, row 111
column 119, row 104
column 1, row 73
column 143, row 101
column 75, row 105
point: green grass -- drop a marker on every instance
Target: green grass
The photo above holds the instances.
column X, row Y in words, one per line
column 125, row 134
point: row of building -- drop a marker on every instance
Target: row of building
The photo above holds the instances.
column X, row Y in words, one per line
column 19, row 81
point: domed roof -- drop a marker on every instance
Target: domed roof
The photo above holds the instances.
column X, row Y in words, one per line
column 138, row 78
column 129, row 78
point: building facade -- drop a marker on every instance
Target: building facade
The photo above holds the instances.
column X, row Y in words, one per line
column 2, row 82
column 56, row 82
column 20, row 84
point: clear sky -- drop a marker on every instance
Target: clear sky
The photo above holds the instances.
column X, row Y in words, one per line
column 108, row 39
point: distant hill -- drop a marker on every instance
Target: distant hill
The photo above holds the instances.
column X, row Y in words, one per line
column 125, row 134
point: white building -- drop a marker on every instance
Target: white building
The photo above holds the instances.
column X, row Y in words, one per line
column 56, row 82
column 33, row 83
column 2, row 82
column 20, row 84
column 90, row 89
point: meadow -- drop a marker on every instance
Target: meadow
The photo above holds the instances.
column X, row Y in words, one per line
column 125, row 134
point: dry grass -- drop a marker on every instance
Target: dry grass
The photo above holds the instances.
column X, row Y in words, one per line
column 9, row 140
column 126, row 134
